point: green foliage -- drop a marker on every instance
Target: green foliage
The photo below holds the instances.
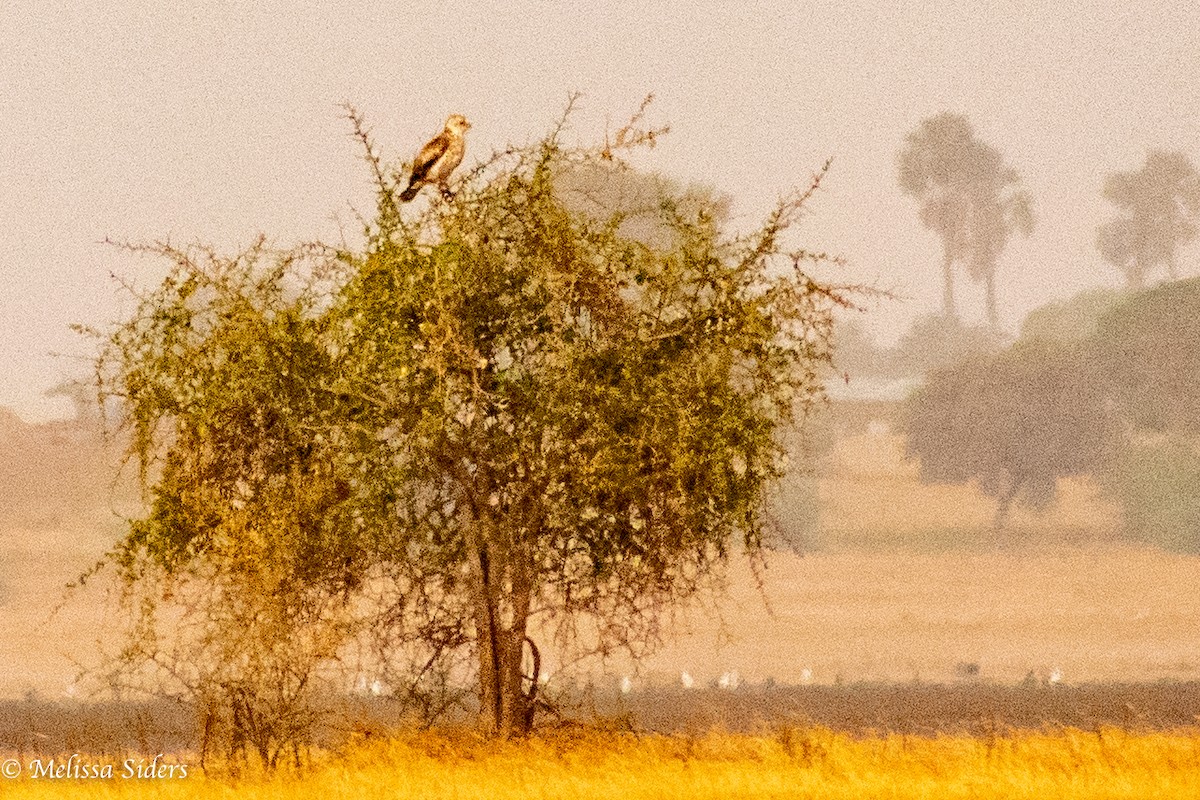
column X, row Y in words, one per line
column 606, row 191
column 1148, row 348
column 933, row 342
column 937, row 342
column 1070, row 321
column 219, row 372
column 1104, row 383
column 580, row 421
column 234, row 575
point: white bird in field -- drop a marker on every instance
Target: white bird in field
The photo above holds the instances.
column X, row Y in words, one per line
column 438, row 158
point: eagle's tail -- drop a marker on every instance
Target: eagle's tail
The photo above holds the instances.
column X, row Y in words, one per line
column 410, row 192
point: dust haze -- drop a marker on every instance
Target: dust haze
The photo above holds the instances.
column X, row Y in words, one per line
column 1003, row 486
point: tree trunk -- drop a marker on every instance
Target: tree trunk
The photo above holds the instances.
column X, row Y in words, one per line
column 948, row 285
column 504, row 706
column 501, row 618
column 487, row 645
column 1005, row 506
column 1137, row 273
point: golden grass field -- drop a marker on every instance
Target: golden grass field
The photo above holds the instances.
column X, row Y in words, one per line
column 788, row 763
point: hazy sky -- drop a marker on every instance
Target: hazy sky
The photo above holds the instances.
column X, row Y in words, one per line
column 215, row 121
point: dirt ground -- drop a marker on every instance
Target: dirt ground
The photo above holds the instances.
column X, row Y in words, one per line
column 901, row 583
column 971, row 708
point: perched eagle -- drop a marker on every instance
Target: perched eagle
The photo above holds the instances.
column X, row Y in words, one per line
column 438, row 158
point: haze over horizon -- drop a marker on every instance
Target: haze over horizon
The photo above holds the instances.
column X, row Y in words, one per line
column 217, row 121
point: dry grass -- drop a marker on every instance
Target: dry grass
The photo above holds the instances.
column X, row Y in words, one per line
column 793, row 763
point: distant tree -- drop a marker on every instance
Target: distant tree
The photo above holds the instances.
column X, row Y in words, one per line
column 1013, row 422
column 857, row 354
column 1117, row 243
column 1158, row 207
column 610, row 190
column 1156, row 480
column 501, row 418
column 968, row 197
column 1104, row 383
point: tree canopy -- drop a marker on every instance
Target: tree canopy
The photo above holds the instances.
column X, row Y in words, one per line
column 1158, row 207
column 1013, row 422
column 932, row 342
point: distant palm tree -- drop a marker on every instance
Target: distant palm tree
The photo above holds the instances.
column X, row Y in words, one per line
column 1159, row 205
column 968, row 197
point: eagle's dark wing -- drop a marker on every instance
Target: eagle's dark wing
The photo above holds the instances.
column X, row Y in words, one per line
column 428, row 156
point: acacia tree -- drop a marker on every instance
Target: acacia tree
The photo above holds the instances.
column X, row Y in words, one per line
column 1158, row 206
column 579, row 424
column 968, row 197
column 518, row 420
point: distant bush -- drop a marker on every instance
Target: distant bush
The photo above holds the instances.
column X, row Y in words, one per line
column 1148, row 350
column 1158, row 485
column 1072, row 320
column 932, row 342
column 936, row 342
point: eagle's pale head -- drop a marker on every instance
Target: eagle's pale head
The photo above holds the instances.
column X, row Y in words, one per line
column 457, row 123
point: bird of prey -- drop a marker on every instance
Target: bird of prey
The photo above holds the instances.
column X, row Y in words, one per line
column 438, row 158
